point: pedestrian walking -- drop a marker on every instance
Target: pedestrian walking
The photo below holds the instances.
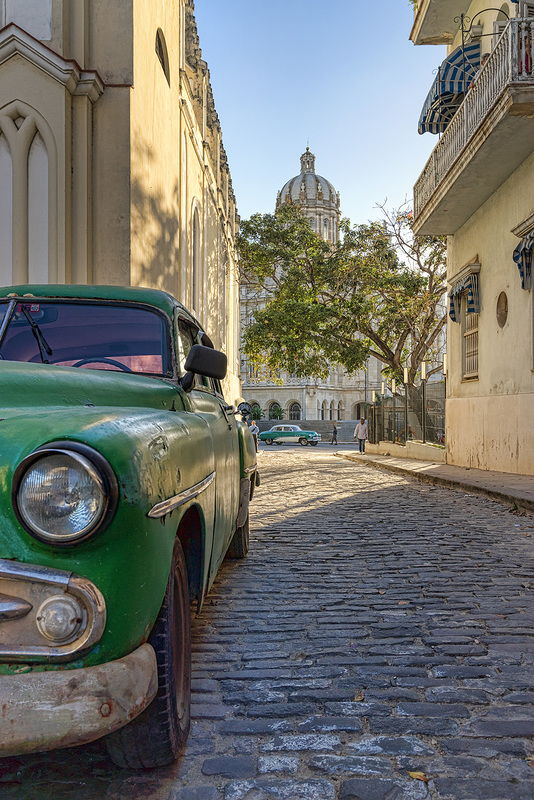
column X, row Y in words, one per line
column 361, row 433
column 334, row 435
column 254, row 431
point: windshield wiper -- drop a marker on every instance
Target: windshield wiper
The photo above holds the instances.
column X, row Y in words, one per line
column 39, row 337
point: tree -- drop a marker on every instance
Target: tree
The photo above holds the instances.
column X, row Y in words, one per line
column 321, row 303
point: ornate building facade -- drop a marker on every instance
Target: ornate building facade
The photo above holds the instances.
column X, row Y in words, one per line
column 112, row 167
column 282, row 396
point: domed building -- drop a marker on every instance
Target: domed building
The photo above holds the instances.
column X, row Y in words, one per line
column 315, row 196
column 284, row 396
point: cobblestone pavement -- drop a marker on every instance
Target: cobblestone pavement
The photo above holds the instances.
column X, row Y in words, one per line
column 378, row 627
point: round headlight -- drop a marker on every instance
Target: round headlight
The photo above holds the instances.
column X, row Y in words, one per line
column 61, row 496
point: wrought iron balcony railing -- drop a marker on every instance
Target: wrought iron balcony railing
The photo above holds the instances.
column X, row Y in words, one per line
column 511, row 61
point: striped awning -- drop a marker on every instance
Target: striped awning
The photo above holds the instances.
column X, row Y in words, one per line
column 523, row 258
column 467, row 283
column 454, row 77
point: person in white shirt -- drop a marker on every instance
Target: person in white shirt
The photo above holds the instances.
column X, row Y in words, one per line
column 360, row 433
column 254, row 431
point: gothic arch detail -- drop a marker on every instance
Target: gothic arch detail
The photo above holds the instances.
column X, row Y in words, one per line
column 28, row 165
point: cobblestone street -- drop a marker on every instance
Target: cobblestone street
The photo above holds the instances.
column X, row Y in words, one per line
column 379, row 627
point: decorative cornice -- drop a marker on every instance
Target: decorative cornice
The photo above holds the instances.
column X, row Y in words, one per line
column 524, row 227
column 15, row 41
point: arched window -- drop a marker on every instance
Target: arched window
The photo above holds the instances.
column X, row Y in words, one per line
column 38, row 211
column 256, row 410
column 339, row 410
column 324, row 410
column 162, row 54
column 295, row 411
column 6, row 213
column 332, row 410
column 28, row 242
column 275, row 411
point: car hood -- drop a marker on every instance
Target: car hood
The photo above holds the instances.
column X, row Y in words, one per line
column 24, row 386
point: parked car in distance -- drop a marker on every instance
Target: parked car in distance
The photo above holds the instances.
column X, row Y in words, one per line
column 289, row 434
column 126, row 479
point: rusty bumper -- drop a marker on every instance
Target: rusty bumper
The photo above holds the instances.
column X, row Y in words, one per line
column 46, row 710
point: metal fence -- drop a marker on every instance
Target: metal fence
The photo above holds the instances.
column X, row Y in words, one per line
column 416, row 413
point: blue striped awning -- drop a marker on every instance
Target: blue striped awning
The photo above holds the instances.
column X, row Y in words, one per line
column 523, row 258
column 468, row 283
column 454, row 77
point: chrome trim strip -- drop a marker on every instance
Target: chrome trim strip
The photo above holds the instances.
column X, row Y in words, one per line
column 165, row 507
column 16, row 570
column 248, row 470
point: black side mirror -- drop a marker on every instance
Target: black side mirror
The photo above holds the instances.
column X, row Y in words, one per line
column 245, row 409
column 203, row 361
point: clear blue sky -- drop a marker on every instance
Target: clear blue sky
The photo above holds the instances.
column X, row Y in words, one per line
column 340, row 75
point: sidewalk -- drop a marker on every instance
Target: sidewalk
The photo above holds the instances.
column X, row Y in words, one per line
column 516, row 491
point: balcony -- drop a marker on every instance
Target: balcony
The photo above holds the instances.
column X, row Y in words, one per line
column 490, row 135
column 434, row 21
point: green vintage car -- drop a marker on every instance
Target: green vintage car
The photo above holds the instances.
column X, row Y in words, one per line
column 125, row 480
column 289, row 434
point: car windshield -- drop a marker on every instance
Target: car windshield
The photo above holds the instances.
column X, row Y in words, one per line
column 88, row 335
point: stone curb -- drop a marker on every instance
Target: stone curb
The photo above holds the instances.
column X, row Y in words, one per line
column 513, row 500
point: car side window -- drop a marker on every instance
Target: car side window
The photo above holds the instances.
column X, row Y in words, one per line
column 185, row 342
column 187, row 335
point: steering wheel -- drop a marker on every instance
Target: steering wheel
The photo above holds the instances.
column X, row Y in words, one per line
column 103, row 360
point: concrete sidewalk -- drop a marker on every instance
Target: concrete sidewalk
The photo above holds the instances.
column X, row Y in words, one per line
column 516, row 491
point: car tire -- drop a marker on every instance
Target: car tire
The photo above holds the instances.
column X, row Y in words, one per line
column 240, row 541
column 158, row 734
column 314, row 444
column 304, row 442
column 268, row 441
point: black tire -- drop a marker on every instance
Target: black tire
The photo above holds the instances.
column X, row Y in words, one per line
column 304, row 442
column 314, row 444
column 240, row 541
column 268, row 441
column 158, row 734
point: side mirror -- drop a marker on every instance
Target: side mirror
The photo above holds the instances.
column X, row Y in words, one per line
column 245, row 409
column 203, row 361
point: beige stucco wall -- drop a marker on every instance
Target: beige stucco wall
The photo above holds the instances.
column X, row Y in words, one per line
column 173, row 176
column 130, row 156
column 489, row 420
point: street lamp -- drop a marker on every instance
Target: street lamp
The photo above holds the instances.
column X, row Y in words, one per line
column 423, row 400
column 382, row 393
column 406, row 376
column 393, row 387
column 373, row 397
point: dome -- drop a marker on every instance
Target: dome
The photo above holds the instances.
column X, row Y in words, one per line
column 316, row 198
column 308, row 188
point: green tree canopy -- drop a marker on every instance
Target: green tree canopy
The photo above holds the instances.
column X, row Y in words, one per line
column 320, row 303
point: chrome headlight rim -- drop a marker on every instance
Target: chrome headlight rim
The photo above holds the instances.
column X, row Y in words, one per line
column 100, row 471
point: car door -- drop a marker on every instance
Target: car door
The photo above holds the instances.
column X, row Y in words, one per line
column 294, row 435
column 207, row 401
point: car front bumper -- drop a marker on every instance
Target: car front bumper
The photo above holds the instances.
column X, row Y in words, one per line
column 48, row 710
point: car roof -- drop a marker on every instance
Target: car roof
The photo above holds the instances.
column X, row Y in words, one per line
column 138, row 294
